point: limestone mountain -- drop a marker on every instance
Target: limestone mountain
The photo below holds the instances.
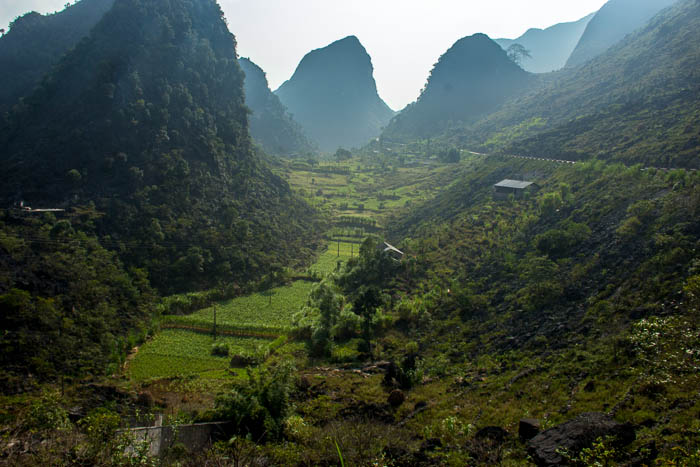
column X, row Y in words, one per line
column 144, row 125
column 473, row 78
column 611, row 24
column 549, row 48
column 270, row 123
column 35, row 42
column 334, row 96
column 638, row 102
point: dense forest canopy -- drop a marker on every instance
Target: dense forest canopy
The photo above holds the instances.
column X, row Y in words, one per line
column 35, row 43
column 146, row 118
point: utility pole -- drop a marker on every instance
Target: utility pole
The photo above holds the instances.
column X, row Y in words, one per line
column 338, row 248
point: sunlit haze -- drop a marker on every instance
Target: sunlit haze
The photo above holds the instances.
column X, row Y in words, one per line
column 403, row 37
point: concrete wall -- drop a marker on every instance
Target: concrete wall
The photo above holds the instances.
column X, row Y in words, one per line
column 195, row 437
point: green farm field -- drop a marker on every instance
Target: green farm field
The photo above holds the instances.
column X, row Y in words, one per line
column 174, row 352
column 269, row 311
column 183, row 347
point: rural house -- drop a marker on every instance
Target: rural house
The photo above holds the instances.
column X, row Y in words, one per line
column 517, row 188
column 394, row 252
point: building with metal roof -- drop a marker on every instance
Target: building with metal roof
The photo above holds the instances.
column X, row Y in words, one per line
column 517, row 188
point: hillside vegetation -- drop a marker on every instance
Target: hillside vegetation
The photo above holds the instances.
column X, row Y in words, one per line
column 35, row 43
column 615, row 20
column 387, row 305
column 155, row 139
column 271, row 126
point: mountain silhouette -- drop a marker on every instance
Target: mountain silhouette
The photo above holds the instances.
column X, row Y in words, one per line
column 333, row 95
column 470, row 80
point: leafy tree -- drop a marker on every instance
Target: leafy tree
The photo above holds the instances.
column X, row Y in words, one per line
column 517, row 53
column 450, row 156
column 366, row 302
column 259, row 407
column 342, row 154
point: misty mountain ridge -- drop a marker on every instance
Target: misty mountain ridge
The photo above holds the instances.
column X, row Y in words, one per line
column 549, row 48
column 615, row 20
column 333, row 95
column 35, row 42
column 637, row 102
column 270, row 123
column 473, row 78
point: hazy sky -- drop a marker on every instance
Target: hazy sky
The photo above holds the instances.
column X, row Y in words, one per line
column 403, row 37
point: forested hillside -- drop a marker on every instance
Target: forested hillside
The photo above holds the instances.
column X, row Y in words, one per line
column 636, row 103
column 34, row 43
column 333, row 95
column 472, row 79
column 146, row 119
column 270, row 123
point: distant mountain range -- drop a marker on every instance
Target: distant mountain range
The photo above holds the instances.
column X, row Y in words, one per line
column 549, row 48
column 637, row 102
column 612, row 23
column 470, row 80
column 270, row 123
column 34, row 43
column 333, row 95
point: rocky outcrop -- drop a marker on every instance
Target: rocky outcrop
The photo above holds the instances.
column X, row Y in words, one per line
column 575, row 435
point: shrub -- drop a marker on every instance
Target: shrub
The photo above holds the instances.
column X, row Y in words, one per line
column 260, row 407
column 220, row 349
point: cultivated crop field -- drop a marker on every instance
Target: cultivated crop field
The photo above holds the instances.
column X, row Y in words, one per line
column 265, row 312
column 328, row 260
column 246, row 323
column 175, row 352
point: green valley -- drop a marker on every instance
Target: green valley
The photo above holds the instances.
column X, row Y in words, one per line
column 196, row 271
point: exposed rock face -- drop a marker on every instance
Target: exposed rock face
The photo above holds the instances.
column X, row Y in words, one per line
column 396, row 398
column 333, row 95
column 576, row 435
column 528, row 428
